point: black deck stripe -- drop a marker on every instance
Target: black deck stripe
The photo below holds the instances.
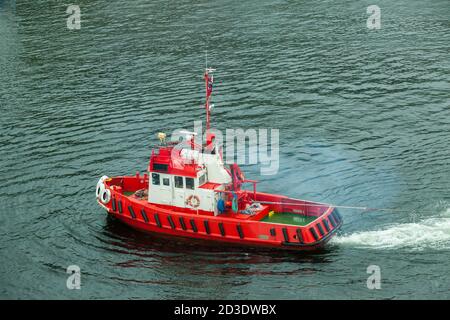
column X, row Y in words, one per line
column 273, row 232
column 285, row 235
column 206, row 223
column 131, row 211
column 331, row 219
column 158, row 223
column 326, row 225
column 314, row 233
column 319, row 226
column 193, row 225
column 222, row 229
column 144, row 215
column 120, row 206
column 114, row 204
column 183, row 225
column 299, row 235
column 336, row 216
column 172, row 224
column 239, row 230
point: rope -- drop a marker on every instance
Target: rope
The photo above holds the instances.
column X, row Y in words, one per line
column 320, row 204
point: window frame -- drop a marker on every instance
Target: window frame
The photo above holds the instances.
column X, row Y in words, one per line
column 176, row 184
column 154, row 175
column 203, row 176
column 193, row 183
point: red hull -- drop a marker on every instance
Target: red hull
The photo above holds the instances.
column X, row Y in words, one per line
column 240, row 231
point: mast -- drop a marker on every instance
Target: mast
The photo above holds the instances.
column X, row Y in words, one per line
column 209, row 79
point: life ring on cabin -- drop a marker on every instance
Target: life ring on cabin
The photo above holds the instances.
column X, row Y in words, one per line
column 106, row 196
column 193, row 201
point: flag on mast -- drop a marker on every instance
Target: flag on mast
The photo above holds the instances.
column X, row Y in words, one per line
column 209, row 84
column 209, row 80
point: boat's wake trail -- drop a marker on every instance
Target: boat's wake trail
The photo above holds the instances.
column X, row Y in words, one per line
column 431, row 233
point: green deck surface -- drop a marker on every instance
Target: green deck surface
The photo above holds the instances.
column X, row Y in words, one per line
column 289, row 218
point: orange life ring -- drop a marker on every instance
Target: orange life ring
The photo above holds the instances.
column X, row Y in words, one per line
column 193, row 201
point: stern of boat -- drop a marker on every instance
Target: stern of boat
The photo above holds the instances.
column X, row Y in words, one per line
column 303, row 224
column 108, row 189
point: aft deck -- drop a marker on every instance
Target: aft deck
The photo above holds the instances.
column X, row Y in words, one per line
column 288, row 218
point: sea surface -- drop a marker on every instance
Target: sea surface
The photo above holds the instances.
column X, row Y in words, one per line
column 363, row 116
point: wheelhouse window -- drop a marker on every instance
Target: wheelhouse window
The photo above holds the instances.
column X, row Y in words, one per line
column 155, row 179
column 178, row 182
column 160, row 167
column 166, row 181
column 202, row 179
column 190, row 183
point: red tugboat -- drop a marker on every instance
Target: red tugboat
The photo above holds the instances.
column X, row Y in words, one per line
column 188, row 192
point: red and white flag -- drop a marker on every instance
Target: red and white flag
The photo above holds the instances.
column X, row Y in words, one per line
column 209, row 84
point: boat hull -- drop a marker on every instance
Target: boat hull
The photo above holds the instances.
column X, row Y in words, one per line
column 147, row 217
column 209, row 240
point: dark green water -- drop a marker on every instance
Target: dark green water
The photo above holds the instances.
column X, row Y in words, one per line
column 364, row 119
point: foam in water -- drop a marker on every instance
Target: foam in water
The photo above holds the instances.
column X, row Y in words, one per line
column 428, row 233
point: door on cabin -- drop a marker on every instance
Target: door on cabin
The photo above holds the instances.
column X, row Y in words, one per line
column 165, row 191
column 179, row 192
column 189, row 192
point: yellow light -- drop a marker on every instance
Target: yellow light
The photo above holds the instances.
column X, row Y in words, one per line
column 161, row 136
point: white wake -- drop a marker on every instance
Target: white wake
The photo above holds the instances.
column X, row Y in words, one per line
column 433, row 233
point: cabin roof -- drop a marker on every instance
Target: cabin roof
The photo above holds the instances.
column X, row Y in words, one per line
column 167, row 159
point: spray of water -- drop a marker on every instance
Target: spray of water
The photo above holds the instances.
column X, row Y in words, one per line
column 429, row 233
